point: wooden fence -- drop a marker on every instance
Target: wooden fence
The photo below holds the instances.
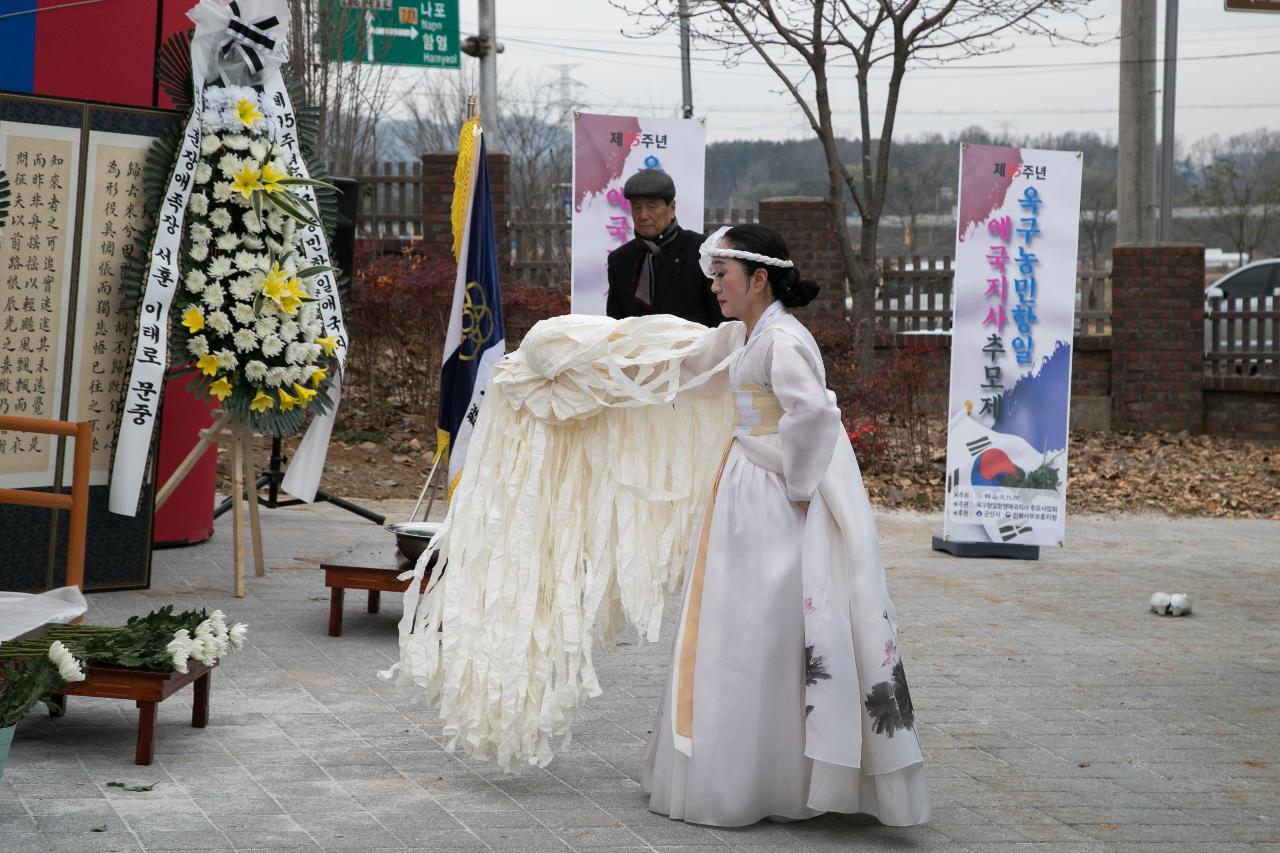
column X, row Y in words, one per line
column 390, row 201
column 1242, row 337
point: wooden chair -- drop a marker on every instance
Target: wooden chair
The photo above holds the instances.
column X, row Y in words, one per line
column 77, row 502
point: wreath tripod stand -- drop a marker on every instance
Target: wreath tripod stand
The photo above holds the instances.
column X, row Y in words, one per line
column 272, row 476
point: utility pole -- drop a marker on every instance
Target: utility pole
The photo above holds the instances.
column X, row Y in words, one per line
column 1136, row 162
column 1167, row 111
column 686, row 75
column 488, row 45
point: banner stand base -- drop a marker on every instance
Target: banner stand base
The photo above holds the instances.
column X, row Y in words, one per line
column 986, row 549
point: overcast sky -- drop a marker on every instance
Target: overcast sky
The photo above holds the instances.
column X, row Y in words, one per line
column 1048, row 92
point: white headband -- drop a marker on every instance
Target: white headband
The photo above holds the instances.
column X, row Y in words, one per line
column 711, row 249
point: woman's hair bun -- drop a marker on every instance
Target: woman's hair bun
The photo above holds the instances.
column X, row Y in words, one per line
column 793, row 291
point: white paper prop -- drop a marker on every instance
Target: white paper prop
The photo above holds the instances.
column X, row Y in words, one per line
column 542, row 577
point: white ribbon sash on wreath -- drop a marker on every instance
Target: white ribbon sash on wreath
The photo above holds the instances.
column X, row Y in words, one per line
column 303, row 477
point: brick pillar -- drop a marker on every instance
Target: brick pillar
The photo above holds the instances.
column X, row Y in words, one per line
column 1157, row 337
column 805, row 223
column 437, row 203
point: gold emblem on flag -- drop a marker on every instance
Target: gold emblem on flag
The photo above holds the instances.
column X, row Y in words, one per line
column 477, row 322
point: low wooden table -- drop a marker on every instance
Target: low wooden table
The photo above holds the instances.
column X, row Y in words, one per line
column 372, row 565
column 148, row 689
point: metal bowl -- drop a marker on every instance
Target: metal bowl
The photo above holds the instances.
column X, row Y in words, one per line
column 412, row 537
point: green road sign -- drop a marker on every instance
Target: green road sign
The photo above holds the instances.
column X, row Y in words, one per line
column 422, row 33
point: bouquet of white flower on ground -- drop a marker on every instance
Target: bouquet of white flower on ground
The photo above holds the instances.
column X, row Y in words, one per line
column 24, row 681
column 161, row 641
column 247, row 306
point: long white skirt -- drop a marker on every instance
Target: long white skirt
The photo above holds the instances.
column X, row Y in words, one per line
column 748, row 760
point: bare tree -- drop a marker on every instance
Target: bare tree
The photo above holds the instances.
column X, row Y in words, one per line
column 1097, row 210
column 1239, row 188
column 531, row 122
column 919, row 175
column 351, row 96
column 802, row 41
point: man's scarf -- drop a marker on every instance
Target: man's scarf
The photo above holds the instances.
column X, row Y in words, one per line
column 653, row 250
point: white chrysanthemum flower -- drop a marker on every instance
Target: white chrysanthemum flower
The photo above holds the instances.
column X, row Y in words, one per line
column 245, row 340
column 294, row 374
column 218, row 321
column 68, row 667
column 243, row 314
column 199, row 252
column 275, row 221
column 288, row 330
column 228, row 242
column 313, row 330
column 203, row 173
column 213, row 295
column 257, row 149
column 200, row 234
column 271, row 345
column 270, row 309
column 220, row 219
column 276, row 377
column 196, row 281
column 221, row 192
column 245, row 288
column 229, row 164
column 227, row 359
column 210, row 144
column 251, row 222
column 255, row 371
column 249, row 262
column 308, row 313
column 198, row 345
column 265, row 326
column 240, row 200
column 296, row 353
column 237, row 635
column 179, row 649
column 276, row 248
column 220, row 267
column 199, row 204
column 236, row 141
column 252, row 243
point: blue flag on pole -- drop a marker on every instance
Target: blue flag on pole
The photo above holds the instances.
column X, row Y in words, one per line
column 475, row 340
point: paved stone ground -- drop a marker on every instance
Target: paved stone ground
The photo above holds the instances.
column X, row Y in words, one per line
column 1056, row 712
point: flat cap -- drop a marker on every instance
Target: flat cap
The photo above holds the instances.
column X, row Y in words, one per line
column 650, row 183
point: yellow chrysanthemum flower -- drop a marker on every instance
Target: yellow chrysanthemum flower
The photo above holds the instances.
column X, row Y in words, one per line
column 246, row 181
column 304, row 394
column 287, row 401
column 221, row 389
column 271, row 177
column 318, row 376
column 261, row 402
column 208, row 364
column 193, row 319
column 330, row 345
column 248, row 113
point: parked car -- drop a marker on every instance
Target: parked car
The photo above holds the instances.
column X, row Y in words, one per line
column 1253, row 288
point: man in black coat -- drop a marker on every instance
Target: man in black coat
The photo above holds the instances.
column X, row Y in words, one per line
column 657, row 272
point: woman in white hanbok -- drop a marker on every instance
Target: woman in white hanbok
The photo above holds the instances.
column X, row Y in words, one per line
column 787, row 695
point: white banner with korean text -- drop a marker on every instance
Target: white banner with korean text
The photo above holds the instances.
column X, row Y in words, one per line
column 1017, row 234
column 607, row 150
